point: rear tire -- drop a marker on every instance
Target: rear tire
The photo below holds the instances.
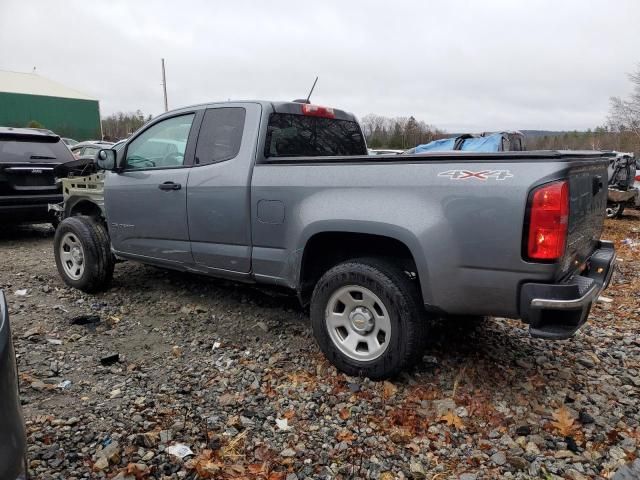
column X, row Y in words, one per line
column 614, row 210
column 368, row 318
column 83, row 254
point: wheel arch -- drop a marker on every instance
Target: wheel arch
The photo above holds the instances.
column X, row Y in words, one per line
column 324, row 244
column 75, row 206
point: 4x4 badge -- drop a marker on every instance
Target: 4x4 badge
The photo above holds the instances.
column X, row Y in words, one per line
column 481, row 175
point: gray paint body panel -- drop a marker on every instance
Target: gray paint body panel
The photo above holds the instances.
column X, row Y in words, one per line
column 250, row 219
column 144, row 220
column 465, row 236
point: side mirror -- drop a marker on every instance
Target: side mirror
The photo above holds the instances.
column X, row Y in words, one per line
column 106, row 159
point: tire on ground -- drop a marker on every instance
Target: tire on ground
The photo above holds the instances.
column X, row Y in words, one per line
column 98, row 260
column 614, row 210
column 402, row 300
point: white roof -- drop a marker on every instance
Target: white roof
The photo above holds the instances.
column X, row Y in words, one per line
column 34, row 84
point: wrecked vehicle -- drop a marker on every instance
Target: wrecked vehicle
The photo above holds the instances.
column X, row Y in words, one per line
column 508, row 141
column 623, row 190
column 285, row 194
column 13, row 447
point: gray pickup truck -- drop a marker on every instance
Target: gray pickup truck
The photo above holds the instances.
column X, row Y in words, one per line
column 284, row 193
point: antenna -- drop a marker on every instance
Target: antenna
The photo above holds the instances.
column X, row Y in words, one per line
column 312, row 87
column 306, row 100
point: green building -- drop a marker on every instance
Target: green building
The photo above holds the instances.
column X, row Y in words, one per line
column 26, row 98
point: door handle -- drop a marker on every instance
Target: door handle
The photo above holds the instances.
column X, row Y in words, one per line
column 169, row 186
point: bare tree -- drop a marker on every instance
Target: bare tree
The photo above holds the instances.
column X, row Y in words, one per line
column 397, row 132
column 624, row 114
column 120, row 125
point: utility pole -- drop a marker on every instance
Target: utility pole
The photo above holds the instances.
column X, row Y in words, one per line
column 164, row 88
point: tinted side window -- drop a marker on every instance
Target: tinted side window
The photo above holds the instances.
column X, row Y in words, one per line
column 220, row 135
column 290, row 135
column 160, row 146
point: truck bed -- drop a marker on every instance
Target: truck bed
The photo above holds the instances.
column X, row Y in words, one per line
column 464, row 230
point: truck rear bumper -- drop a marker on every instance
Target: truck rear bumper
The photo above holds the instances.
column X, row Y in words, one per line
column 632, row 195
column 557, row 311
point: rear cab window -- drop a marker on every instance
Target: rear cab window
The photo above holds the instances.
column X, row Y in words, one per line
column 293, row 135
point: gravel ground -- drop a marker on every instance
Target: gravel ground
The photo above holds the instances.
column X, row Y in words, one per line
column 112, row 383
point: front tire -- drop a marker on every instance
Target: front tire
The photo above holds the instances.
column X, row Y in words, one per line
column 368, row 319
column 83, row 254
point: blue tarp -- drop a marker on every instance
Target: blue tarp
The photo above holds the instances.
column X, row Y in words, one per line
column 490, row 143
column 437, row 146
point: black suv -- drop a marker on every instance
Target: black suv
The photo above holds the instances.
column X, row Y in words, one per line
column 27, row 182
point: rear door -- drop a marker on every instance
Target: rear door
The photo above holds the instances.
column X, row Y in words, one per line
column 218, row 202
column 146, row 204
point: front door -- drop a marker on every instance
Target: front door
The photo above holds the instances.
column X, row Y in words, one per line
column 146, row 203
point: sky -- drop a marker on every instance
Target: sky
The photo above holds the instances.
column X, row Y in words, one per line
column 458, row 65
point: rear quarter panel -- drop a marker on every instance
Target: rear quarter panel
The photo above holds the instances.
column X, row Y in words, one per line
column 465, row 234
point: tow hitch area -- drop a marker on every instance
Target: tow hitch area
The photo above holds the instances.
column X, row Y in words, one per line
column 557, row 311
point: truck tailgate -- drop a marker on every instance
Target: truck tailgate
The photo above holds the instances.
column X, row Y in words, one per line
column 587, row 204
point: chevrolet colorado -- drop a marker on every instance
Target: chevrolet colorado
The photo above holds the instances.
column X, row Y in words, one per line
column 284, row 193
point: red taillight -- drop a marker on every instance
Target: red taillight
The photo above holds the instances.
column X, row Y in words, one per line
column 548, row 219
column 637, row 178
column 317, row 111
